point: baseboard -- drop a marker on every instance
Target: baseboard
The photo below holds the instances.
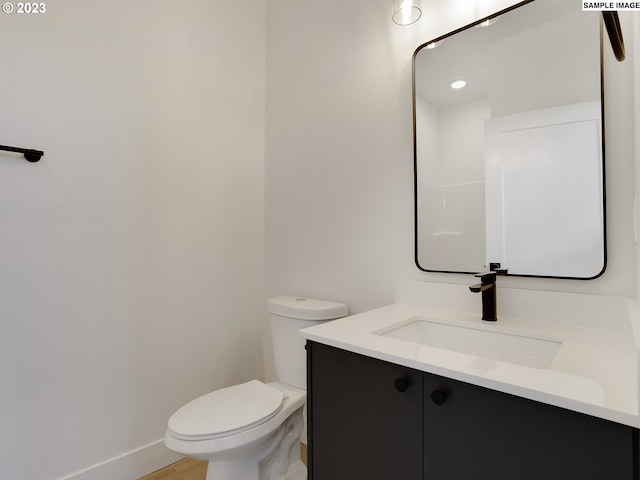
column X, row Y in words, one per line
column 129, row 466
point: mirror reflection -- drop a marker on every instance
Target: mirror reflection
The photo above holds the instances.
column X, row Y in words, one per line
column 509, row 160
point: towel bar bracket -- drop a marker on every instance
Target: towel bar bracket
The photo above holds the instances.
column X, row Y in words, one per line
column 30, row 154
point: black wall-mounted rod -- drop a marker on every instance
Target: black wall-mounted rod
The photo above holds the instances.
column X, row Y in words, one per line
column 612, row 22
column 30, row 154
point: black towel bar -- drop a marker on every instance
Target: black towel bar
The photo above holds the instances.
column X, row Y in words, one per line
column 612, row 23
column 30, row 154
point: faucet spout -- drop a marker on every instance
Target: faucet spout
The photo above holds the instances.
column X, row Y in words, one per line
column 480, row 287
column 488, row 289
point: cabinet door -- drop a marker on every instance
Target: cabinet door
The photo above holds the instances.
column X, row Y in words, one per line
column 364, row 417
column 473, row 432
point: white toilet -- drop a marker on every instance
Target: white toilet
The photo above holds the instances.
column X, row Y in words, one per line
column 252, row 431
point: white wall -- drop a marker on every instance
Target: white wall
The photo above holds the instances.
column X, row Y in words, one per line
column 339, row 164
column 132, row 254
column 339, row 173
column 450, row 180
column 632, row 24
column 548, row 46
column 635, row 75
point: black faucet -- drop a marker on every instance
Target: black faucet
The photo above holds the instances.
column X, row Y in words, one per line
column 488, row 289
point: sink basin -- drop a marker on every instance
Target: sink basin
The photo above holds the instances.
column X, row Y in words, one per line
column 506, row 346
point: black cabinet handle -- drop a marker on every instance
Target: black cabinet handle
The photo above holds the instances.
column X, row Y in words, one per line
column 438, row 397
column 401, row 384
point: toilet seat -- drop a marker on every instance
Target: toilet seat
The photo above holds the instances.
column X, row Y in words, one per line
column 226, row 412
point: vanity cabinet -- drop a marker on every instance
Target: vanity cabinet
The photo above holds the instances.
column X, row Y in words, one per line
column 364, row 417
column 475, row 432
column 377, row 420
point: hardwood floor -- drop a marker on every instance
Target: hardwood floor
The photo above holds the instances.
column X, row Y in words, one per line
column 185, row 469
column 190, row 469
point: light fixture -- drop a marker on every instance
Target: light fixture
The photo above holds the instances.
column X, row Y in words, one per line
column 433, row 45
column 406, row 12
column 489, row 21
column 458, row 84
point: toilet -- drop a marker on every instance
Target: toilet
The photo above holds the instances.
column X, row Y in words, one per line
column 251, row 431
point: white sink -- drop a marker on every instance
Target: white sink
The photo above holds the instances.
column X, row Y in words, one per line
column 526, row 349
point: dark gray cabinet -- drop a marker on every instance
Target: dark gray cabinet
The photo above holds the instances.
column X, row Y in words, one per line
column 364, row 417
column 481, row 433
column 374, row 420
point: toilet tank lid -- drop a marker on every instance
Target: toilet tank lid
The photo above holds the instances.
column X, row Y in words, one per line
column 306, row 308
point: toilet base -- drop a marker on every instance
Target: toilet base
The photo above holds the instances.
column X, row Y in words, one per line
column 277, row 459
column 297, row 471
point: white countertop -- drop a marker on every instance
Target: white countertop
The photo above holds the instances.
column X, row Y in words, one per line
column 594, row 372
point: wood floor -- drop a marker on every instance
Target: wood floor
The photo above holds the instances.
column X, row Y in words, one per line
column 190, row 469
column 185, row 469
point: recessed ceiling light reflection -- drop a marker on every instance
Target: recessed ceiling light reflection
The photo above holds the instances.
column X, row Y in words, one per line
column 434, row 44
column 488, row 22
column 458, row 84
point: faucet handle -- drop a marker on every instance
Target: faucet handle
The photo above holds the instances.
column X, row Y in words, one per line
column 487, row 278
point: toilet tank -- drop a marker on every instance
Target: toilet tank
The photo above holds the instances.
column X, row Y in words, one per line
column 289, row 315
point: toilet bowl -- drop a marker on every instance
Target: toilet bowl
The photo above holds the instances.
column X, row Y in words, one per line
column 269, row 418
column 251, row 431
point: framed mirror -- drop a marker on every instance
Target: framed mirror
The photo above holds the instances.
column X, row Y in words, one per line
column 509, row 167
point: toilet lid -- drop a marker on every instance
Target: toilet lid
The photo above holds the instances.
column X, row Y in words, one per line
column 227, row 411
